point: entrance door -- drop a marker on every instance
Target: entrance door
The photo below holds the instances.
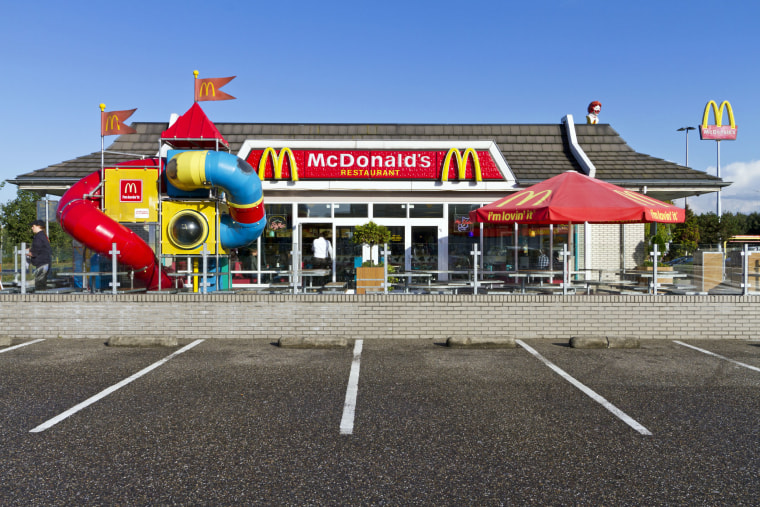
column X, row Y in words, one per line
column 310, row 232
column 424, row 248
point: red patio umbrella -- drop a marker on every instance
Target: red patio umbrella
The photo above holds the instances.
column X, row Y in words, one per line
column 574, row 198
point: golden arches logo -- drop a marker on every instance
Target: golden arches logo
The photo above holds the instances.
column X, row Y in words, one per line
column 718, row 113
column 718, row 131
column 112, row 122
column 130, row 188
column 207, row 88
column 277, row 161
column 639, row 198
column 461, row 164
column 527, row 196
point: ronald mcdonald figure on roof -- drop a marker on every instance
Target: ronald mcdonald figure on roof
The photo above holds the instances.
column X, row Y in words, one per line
column 593, row 112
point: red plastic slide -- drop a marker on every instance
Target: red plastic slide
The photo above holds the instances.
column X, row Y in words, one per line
column 79, row 215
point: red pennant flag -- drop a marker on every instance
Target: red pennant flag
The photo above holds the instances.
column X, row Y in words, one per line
column 112, row 123
column 210, row 88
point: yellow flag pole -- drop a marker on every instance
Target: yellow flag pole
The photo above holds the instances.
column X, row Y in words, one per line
column 195, row 86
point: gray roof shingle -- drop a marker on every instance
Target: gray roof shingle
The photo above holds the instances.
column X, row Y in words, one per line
column 534, row 151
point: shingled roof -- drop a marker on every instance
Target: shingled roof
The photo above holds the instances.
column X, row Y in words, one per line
column 534, row 152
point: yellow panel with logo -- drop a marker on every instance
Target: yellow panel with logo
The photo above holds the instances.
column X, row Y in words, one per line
column 131, row 195
column 187, row 225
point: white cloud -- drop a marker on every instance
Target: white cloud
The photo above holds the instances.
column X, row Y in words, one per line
column 743, row 196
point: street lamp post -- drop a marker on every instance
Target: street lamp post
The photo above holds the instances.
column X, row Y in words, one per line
column 686, row 129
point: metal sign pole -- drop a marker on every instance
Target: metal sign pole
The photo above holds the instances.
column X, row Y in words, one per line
column 114, row 252
column 745, row 270
column 204, row 281
column 565, row 271
column 475, row 254
column 385, row 268
column 23, row 268
column 655, row 255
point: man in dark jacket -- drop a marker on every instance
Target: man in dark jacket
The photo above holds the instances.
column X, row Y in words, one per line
column 40, row 255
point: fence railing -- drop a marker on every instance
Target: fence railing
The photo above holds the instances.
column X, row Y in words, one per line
column 711, row 270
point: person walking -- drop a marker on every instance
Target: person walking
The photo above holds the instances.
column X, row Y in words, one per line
column 40, row 255
column 322, row 253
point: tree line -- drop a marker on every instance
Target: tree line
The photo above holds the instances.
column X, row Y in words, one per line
column 706, row 230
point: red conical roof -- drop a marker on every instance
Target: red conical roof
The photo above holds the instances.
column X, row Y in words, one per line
column 193, row 130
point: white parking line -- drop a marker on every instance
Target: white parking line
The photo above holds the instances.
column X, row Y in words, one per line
column 22, row 345
column 591, row 394
column 717, row 355
column 349, row 407
column 73, row 410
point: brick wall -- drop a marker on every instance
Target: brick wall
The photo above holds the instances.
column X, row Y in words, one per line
column 429, row 317
column 616, row 247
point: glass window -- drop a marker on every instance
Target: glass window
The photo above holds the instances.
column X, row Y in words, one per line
column 426, row 210
column 383, row 210
column 276, row 242
column 462, row 234
column 561, row 238
column 317, row 210
column 347, row 255
column 499, row 252
column 351, row 210
column 396, row 247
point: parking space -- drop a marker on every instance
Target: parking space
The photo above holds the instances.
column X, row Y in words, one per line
column 245, row 421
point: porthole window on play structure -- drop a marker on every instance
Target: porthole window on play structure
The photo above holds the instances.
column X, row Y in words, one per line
column 188, row 229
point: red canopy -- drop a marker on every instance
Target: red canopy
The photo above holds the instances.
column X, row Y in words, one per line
column 572, row 197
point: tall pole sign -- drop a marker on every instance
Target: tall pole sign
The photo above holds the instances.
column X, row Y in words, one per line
column 718, row 132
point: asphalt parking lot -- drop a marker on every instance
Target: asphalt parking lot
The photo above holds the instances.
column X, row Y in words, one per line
column 383, row 423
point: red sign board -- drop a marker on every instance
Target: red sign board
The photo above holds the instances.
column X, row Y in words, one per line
column 717, row 132
column 375, row 165
column 130, row 190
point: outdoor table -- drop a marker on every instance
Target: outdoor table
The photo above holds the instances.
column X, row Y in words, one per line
column 660, row 274
column 541, row 275
column 408, row 275
column 443, row 287
column 488, row 284
column 446, row 272
column 290, row 274
column 334, row 288
column 584, row 271
column 522, row 276
column 89, row 274
column 311, row 273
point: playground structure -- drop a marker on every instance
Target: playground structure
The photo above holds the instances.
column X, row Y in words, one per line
column 193, row 203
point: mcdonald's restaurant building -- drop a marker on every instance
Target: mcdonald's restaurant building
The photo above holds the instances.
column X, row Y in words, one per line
column 419, row 180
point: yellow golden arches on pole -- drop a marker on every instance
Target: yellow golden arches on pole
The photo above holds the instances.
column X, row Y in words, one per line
column 277, row 161
column 718, row 113
column 461, row 164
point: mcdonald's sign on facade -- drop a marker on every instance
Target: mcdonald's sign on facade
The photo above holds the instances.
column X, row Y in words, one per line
column 130, row 191
column 376, row 160
column 718, row 131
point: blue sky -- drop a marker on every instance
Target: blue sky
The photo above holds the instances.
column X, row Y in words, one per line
column 653, row 65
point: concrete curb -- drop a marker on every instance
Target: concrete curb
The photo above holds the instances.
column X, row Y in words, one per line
column 297, row 342
column 5, row 341
column 623, row 342
column 480, row 342
column 604, row 342
column 142, row 341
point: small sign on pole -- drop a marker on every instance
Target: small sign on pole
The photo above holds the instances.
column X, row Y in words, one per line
column 48, row 216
